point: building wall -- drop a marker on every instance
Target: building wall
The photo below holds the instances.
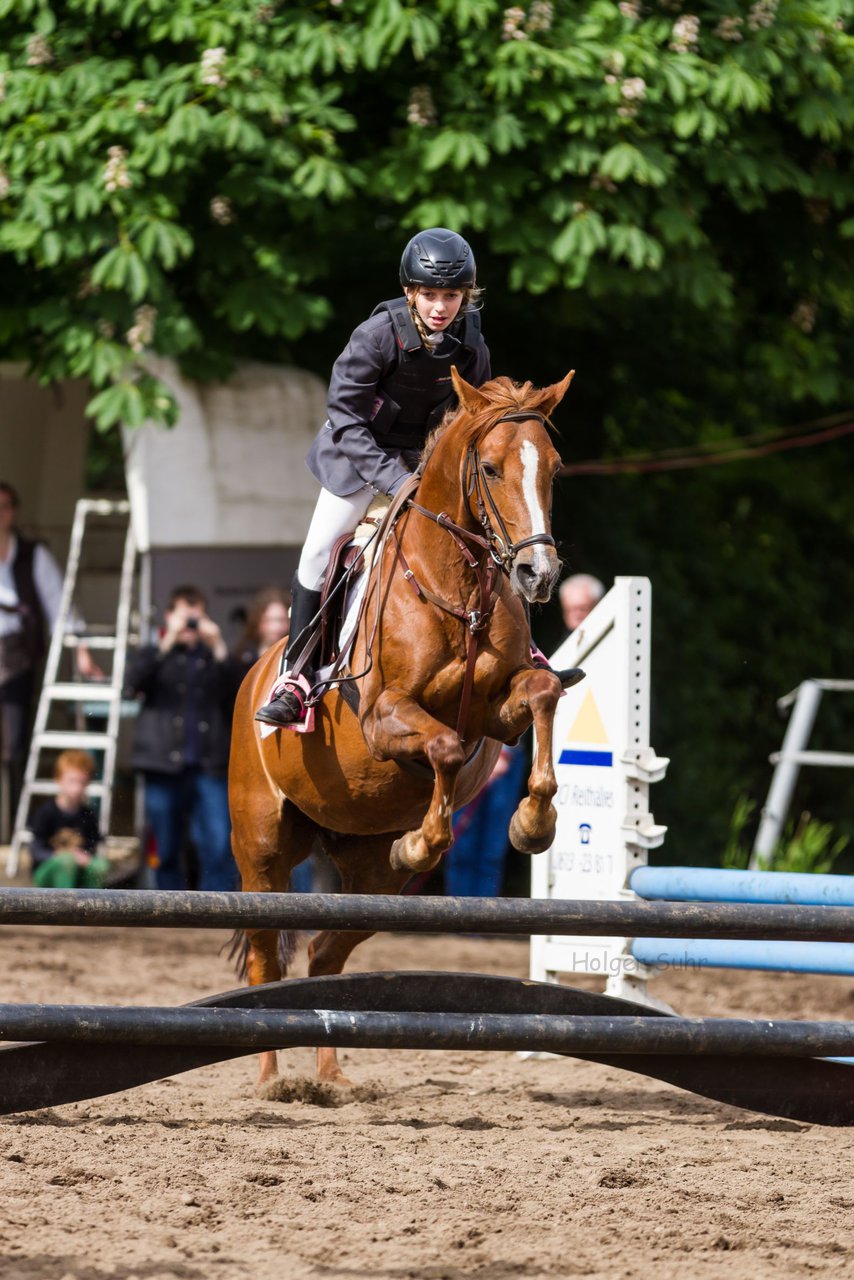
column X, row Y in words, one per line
column 231, row 473
column 43, row 436
column 223, row 499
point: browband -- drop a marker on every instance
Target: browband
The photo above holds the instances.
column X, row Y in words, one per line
column 524, row 415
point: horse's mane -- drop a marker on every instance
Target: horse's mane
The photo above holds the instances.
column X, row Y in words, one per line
column 501, row 395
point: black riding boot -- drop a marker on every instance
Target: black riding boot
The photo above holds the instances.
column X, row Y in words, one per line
column 286, row 708
column 568, row 677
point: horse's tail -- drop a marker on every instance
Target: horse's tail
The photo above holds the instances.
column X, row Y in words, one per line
column 238, row 951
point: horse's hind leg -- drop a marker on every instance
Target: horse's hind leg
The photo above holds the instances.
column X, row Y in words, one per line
column 363, row 865
column 268, row 843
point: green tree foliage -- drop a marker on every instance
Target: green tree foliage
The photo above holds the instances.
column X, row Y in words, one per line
column 660, row 194
column 807, row 846
column 174, row 172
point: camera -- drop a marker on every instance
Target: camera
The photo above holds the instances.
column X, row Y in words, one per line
column 192, row 624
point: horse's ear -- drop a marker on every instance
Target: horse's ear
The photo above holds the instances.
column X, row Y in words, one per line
column 550, row 397
column 468, row 396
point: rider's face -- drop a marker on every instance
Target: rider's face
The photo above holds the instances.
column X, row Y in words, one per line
column 437, row 307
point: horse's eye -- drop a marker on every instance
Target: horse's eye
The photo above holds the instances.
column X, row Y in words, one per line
column 489, row 471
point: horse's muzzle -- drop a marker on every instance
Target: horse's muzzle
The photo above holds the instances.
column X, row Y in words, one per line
column 534, row 574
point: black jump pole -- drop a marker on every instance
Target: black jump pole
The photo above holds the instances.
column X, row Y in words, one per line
column 268, row 1029
column 152, row 908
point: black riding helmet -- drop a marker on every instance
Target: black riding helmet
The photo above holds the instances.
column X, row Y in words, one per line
column 439, row 259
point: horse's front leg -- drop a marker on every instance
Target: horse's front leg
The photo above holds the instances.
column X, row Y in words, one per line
column 533, row 696
column 400, row 729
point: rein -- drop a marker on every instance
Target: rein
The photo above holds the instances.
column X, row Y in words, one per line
column 501, row 551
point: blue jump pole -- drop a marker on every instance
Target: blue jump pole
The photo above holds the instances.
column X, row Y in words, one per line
column 708, row 884
column 722, row 953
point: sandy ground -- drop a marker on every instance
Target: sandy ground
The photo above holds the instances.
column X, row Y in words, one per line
column 452, row 1165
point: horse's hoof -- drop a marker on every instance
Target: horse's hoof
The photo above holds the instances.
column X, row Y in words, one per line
column 338, row 1080
column 410, row 853
column 394, row 855
column 268, row 1088
column 523, row 842
column 394, row 859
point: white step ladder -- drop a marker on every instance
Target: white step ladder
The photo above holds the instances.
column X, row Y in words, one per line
column 55, row 690
column 804, row 701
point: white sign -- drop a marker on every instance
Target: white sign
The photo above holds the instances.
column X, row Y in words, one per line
column 604, row 766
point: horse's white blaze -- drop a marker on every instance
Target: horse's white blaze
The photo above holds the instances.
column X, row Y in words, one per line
column 530, row 469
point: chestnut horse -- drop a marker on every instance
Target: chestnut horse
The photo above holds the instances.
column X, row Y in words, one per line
column 378, row 789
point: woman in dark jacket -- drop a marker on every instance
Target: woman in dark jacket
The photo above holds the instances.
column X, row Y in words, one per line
column 389, row 388
column 266, row 624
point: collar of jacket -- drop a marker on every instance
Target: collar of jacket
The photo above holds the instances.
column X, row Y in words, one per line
column 465, row 328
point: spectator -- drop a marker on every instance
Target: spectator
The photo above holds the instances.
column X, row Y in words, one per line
column 474, row 864
column 30, row 594
column 188, row 684
column 266, row 624
column 579, row 594
column 65, row 830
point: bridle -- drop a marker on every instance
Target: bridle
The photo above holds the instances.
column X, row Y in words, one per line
column 496, row 542
column 502, row 550
column 501, row 554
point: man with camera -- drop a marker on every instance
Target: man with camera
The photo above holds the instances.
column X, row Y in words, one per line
column 188, row 684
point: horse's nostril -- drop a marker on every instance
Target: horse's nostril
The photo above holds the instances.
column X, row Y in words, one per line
column 525, row 571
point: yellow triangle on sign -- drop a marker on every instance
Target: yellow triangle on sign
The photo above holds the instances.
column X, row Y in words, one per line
column 588, row 726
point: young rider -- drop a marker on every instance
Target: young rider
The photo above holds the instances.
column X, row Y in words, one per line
column 389, row 388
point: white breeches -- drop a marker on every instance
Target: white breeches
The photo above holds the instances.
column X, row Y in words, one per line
column 333, row 516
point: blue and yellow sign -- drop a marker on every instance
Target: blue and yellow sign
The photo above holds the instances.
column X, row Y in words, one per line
column 588, row 732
